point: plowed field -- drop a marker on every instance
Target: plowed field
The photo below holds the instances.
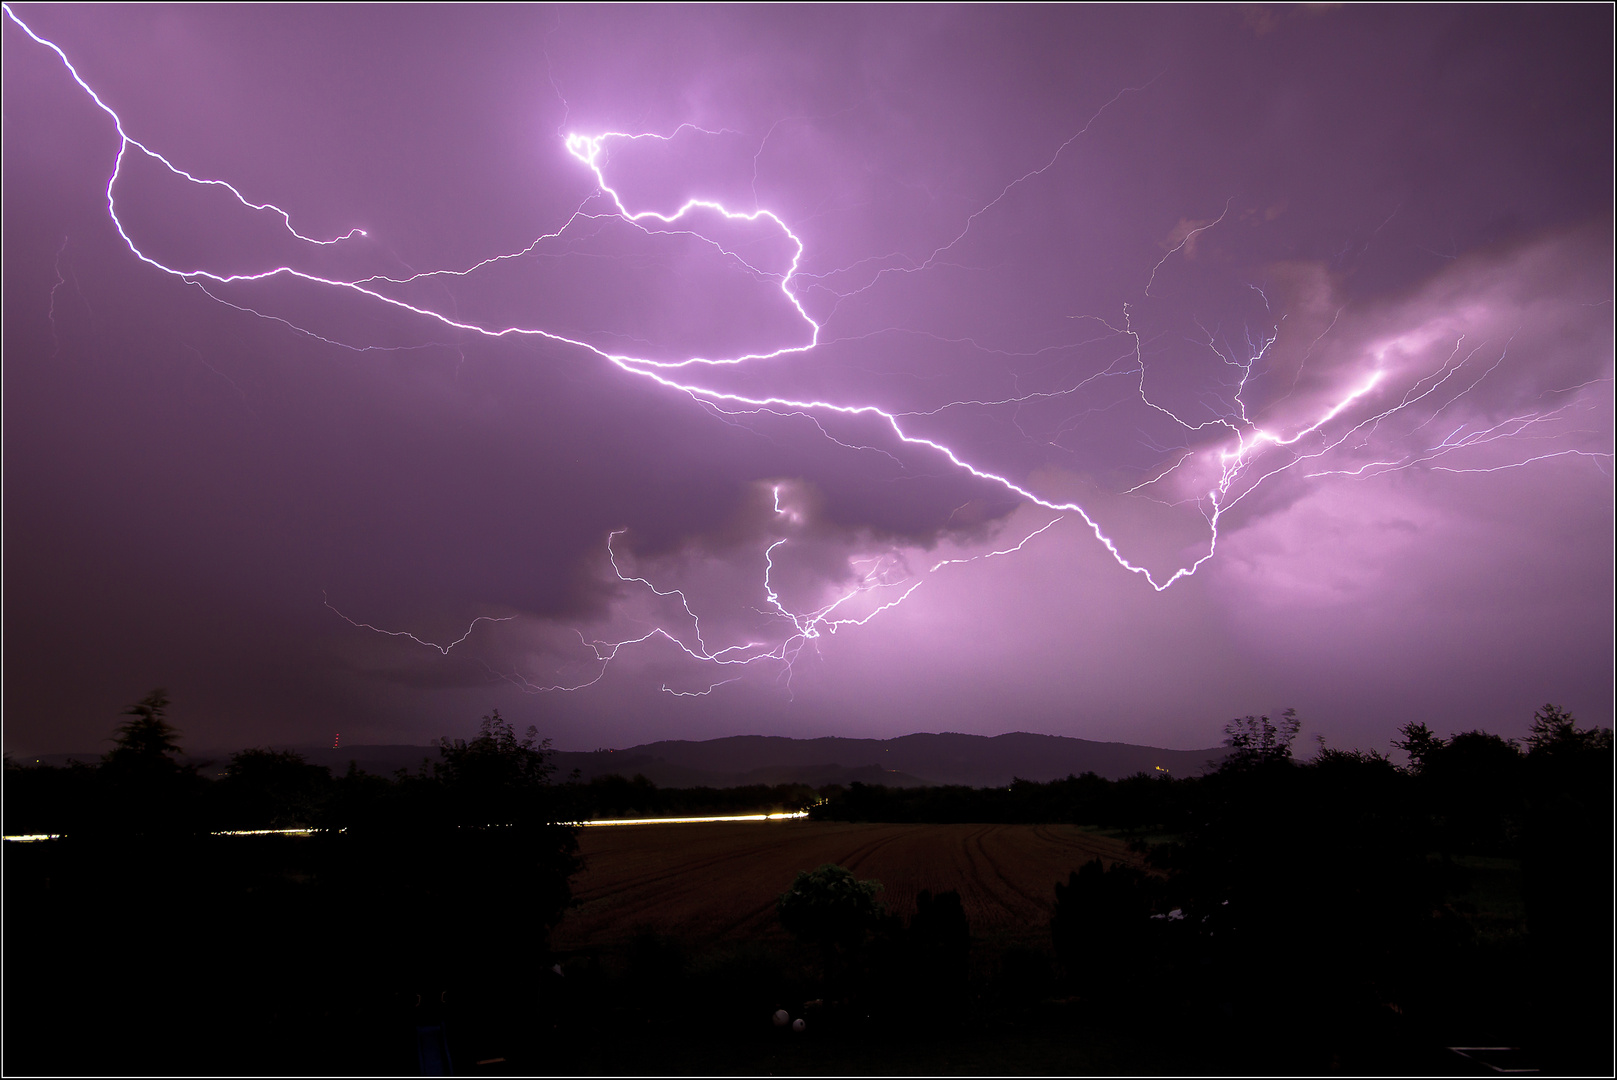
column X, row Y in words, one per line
column 712, row 882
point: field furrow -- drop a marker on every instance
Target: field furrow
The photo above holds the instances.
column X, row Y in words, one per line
column 720, row 881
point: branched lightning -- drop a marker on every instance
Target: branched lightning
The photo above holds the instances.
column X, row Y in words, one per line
column 443, row 649
column 1185, row 240
column 1041, row 530
column 1251, row 455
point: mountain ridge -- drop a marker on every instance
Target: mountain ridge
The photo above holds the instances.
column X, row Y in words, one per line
column 917, row 759
column 935, row 758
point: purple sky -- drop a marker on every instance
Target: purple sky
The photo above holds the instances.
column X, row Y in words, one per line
column 1314, row 302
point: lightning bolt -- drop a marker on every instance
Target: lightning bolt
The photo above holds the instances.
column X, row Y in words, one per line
column 50, row 311
column 1245, row 462
column 442, row 649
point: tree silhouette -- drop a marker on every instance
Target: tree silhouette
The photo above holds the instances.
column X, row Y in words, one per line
column 1555, row 732
column 1419, row 743
column 496, row 778
column 829, row 907
column 935, row 957
column 140, row 789
column 146, row 740
column 1256, row 740
column 1474, row 785
column 1101, row 915
column 939, row 924
column 265, row 788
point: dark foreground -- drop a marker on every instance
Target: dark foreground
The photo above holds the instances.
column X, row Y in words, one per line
column 1339, row 915
column 281, row 955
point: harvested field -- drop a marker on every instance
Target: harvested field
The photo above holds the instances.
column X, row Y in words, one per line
column 709, row 883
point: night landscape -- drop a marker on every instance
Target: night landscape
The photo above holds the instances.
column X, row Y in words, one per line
column 808, row 540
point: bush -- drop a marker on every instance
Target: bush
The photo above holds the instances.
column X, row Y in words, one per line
column 829, row 907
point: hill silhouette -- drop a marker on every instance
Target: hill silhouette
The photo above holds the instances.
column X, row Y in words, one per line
column 908, row 761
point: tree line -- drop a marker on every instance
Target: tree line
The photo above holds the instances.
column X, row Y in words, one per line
column 1474, row 793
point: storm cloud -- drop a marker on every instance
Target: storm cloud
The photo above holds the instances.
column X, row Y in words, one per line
column 1315, row 304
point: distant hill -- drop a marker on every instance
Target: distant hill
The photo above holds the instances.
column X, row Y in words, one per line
column 909, row 761
column 949, row 758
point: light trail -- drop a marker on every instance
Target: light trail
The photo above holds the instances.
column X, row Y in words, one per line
column 693, row 820
column 23, row 838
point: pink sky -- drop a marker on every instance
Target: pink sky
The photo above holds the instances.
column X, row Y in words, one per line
column 1331, row 287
